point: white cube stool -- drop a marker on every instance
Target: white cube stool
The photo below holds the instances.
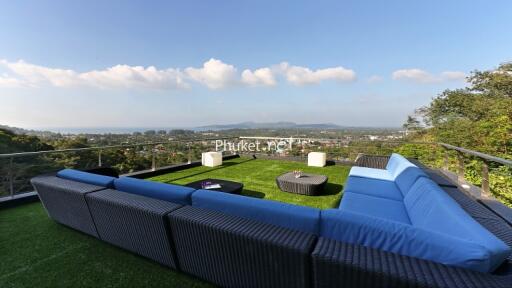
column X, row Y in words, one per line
column 211, row 159
column 316, row 159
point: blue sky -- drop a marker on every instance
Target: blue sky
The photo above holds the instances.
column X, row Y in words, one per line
column 191, row 63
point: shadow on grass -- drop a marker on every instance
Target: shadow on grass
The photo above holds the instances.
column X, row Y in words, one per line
column 338, row 201
column 252, row 193
column 331, row 189
column 224, row 165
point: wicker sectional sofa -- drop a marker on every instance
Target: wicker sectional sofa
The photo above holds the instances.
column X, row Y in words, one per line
column 394, row 228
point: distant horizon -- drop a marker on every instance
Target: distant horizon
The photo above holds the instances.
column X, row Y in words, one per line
column 132, row 129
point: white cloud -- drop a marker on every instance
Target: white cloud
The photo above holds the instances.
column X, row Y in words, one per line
column 35, row 74
column 119, row 76
column 302, row 75
column 10, row 82
column 262, row 76
column 416, row 75
column 374, row 79
column 422, row 76
column 453, row 75
column 124, row 76
column 215, row 74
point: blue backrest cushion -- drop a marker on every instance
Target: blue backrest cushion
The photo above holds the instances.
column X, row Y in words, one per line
column 290, row 216
column 397, row 164
column 404, row 239
column 430, row 208
column 86, row 177
column 408, row 177
column 173, row 193
column 393, row 161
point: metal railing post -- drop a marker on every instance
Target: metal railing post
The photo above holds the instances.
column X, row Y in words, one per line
column 189, row 155
column 460, row 167
column 153, row 158
column 99, row 158
column 11, row 176
column 446, row 164
column 485, row 179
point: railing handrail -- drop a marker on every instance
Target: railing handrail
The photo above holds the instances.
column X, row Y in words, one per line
column 481, row 155
column 477, row 154
column 22, row 154
column 338, row 140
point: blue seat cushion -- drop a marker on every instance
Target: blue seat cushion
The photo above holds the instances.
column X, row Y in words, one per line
column 373, row 187
column 430, row 208
column 86, row 177
column 391, row 210
column 290, row 216
column 168, row 192
column 403, row 239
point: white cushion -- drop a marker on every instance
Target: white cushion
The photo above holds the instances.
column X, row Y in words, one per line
column 317, row 159
column 211, row 159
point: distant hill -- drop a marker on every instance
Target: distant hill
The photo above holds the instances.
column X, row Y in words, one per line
column 268, row 125
column 21, row 131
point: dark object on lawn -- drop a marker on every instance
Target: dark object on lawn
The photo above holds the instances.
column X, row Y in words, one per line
column 306, row 184
column 225, row 185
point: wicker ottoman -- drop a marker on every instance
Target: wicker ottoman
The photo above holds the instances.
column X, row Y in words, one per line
column 307, row 184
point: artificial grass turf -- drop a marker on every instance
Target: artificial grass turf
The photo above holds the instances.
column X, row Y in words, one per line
column 258, row 177
column 35, row 251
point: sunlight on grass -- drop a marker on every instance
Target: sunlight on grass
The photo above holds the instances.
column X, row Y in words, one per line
column 259, row 179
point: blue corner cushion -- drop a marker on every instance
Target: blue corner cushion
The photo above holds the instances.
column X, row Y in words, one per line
column 373, row 187
column 168, row 192
column 405, row 239
column 391, row 210
column 430, row 208
column 395, row 161
column 396, row 164
column 86, row 177
column 290, row 216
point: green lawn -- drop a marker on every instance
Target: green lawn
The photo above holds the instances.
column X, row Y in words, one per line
column 37, row 252
column 258, row 177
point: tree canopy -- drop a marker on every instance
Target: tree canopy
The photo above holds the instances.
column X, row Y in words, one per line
column 476, row 117
column 12, row 143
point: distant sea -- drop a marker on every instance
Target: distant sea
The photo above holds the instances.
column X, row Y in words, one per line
column 101, row 130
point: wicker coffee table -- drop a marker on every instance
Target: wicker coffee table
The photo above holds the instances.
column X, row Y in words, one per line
column 307, row 184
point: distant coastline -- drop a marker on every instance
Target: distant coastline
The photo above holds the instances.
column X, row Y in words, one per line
column 101, row 130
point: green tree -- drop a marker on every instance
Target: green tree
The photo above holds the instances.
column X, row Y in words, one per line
column 478, row 117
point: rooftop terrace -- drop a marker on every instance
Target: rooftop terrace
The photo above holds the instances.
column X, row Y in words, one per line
column 41, row 252
column 44, row 253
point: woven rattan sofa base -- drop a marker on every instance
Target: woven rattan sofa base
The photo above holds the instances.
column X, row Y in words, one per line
column 372, row 161
column 235, row 252
column 135, row 223
column 64, row 201
column 337, row 264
